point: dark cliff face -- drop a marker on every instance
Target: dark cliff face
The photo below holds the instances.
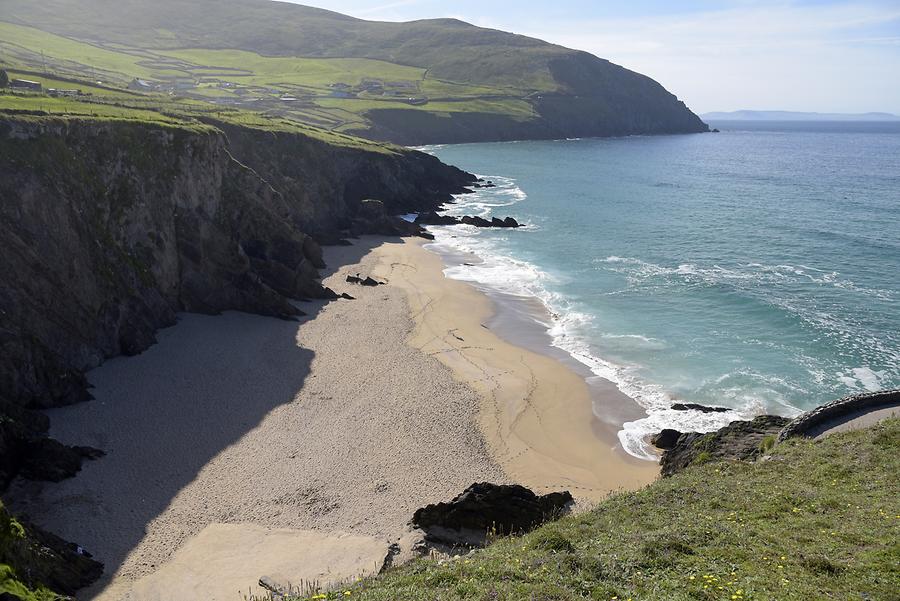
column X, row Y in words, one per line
column 110, row 228
column 322, row 185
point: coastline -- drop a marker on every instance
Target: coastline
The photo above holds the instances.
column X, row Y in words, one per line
column 538, row 415
column 526, row 321
column 323, row 435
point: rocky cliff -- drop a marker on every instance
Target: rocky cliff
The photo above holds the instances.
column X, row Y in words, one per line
column 109, row 228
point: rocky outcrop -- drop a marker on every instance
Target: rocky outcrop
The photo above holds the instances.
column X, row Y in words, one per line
column 433, row 218
column 739, row 440
column 324, row 185
column 109, row 229
column 488, row 508
column 373, row 218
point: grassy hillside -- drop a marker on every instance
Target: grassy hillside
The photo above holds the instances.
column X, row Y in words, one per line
column 818, row 520
column 341, row 73
column 106, row 103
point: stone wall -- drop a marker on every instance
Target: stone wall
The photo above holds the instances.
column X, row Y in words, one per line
column 842, row 407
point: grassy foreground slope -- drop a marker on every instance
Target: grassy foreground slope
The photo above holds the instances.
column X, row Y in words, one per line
column 424, row 81
column 817, row 520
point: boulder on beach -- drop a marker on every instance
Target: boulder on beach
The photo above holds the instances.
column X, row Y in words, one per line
column 484, row 508
column 373, row 218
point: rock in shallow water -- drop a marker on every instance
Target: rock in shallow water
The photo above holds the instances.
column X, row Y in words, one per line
column 666, row 439
column 700, row 408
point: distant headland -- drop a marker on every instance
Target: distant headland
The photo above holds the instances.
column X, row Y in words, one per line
column 750, row 115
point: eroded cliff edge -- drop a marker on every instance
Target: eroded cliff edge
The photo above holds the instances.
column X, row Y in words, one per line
column 109, row 228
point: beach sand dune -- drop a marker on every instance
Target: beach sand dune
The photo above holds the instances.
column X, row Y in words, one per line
column 238, row 427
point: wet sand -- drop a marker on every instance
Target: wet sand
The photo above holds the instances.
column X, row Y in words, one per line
column 537, row 414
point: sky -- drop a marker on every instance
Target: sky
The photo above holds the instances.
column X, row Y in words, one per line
column 802, row 55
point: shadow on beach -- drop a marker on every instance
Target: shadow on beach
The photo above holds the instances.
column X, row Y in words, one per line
column 161, row 417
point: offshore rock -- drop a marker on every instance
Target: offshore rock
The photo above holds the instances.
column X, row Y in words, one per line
column 433, row 218
column 696, row 407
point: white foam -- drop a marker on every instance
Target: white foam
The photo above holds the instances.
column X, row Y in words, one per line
column 568, row 326
column 495, row 271
column 862, row 378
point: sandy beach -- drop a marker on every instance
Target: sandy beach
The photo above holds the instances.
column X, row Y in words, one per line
column 238, row 437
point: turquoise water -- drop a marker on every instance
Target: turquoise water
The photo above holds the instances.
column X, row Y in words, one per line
column 758, row 270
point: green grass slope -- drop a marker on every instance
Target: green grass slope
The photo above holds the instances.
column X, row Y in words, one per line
column 458, row 82
column 817, row 520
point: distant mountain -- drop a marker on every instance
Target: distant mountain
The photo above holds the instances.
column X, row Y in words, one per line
column 747, row 115
column 439, row 80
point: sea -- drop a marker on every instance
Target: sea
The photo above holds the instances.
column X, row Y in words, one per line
column 756, row 269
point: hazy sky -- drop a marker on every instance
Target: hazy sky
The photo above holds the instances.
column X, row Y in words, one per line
column 812, row 55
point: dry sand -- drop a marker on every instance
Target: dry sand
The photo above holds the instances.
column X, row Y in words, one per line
column 339, row 424
column 297, row 561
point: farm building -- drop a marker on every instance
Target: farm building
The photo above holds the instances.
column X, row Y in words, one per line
column 141, row 85
column 25, row 84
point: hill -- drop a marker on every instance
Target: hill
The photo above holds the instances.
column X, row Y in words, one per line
column 814, row 520
column 747, row 115
column 426, row 81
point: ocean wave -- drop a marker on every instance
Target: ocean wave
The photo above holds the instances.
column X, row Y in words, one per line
column 567, row 328
column 637, row 271
column 575, row 332
column 783, row 287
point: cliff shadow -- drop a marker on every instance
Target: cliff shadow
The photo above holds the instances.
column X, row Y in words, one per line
column 337, row 257
column 162, row 417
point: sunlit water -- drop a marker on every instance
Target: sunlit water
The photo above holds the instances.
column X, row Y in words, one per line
column 758, row 270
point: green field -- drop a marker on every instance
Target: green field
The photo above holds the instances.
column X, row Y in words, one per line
column 162, row 111
column 818, row 520
column 330, row 93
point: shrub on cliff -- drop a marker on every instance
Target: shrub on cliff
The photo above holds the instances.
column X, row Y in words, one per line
column 4, row 78
column 38, row 566
column 12, row 538
column 817, row 520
